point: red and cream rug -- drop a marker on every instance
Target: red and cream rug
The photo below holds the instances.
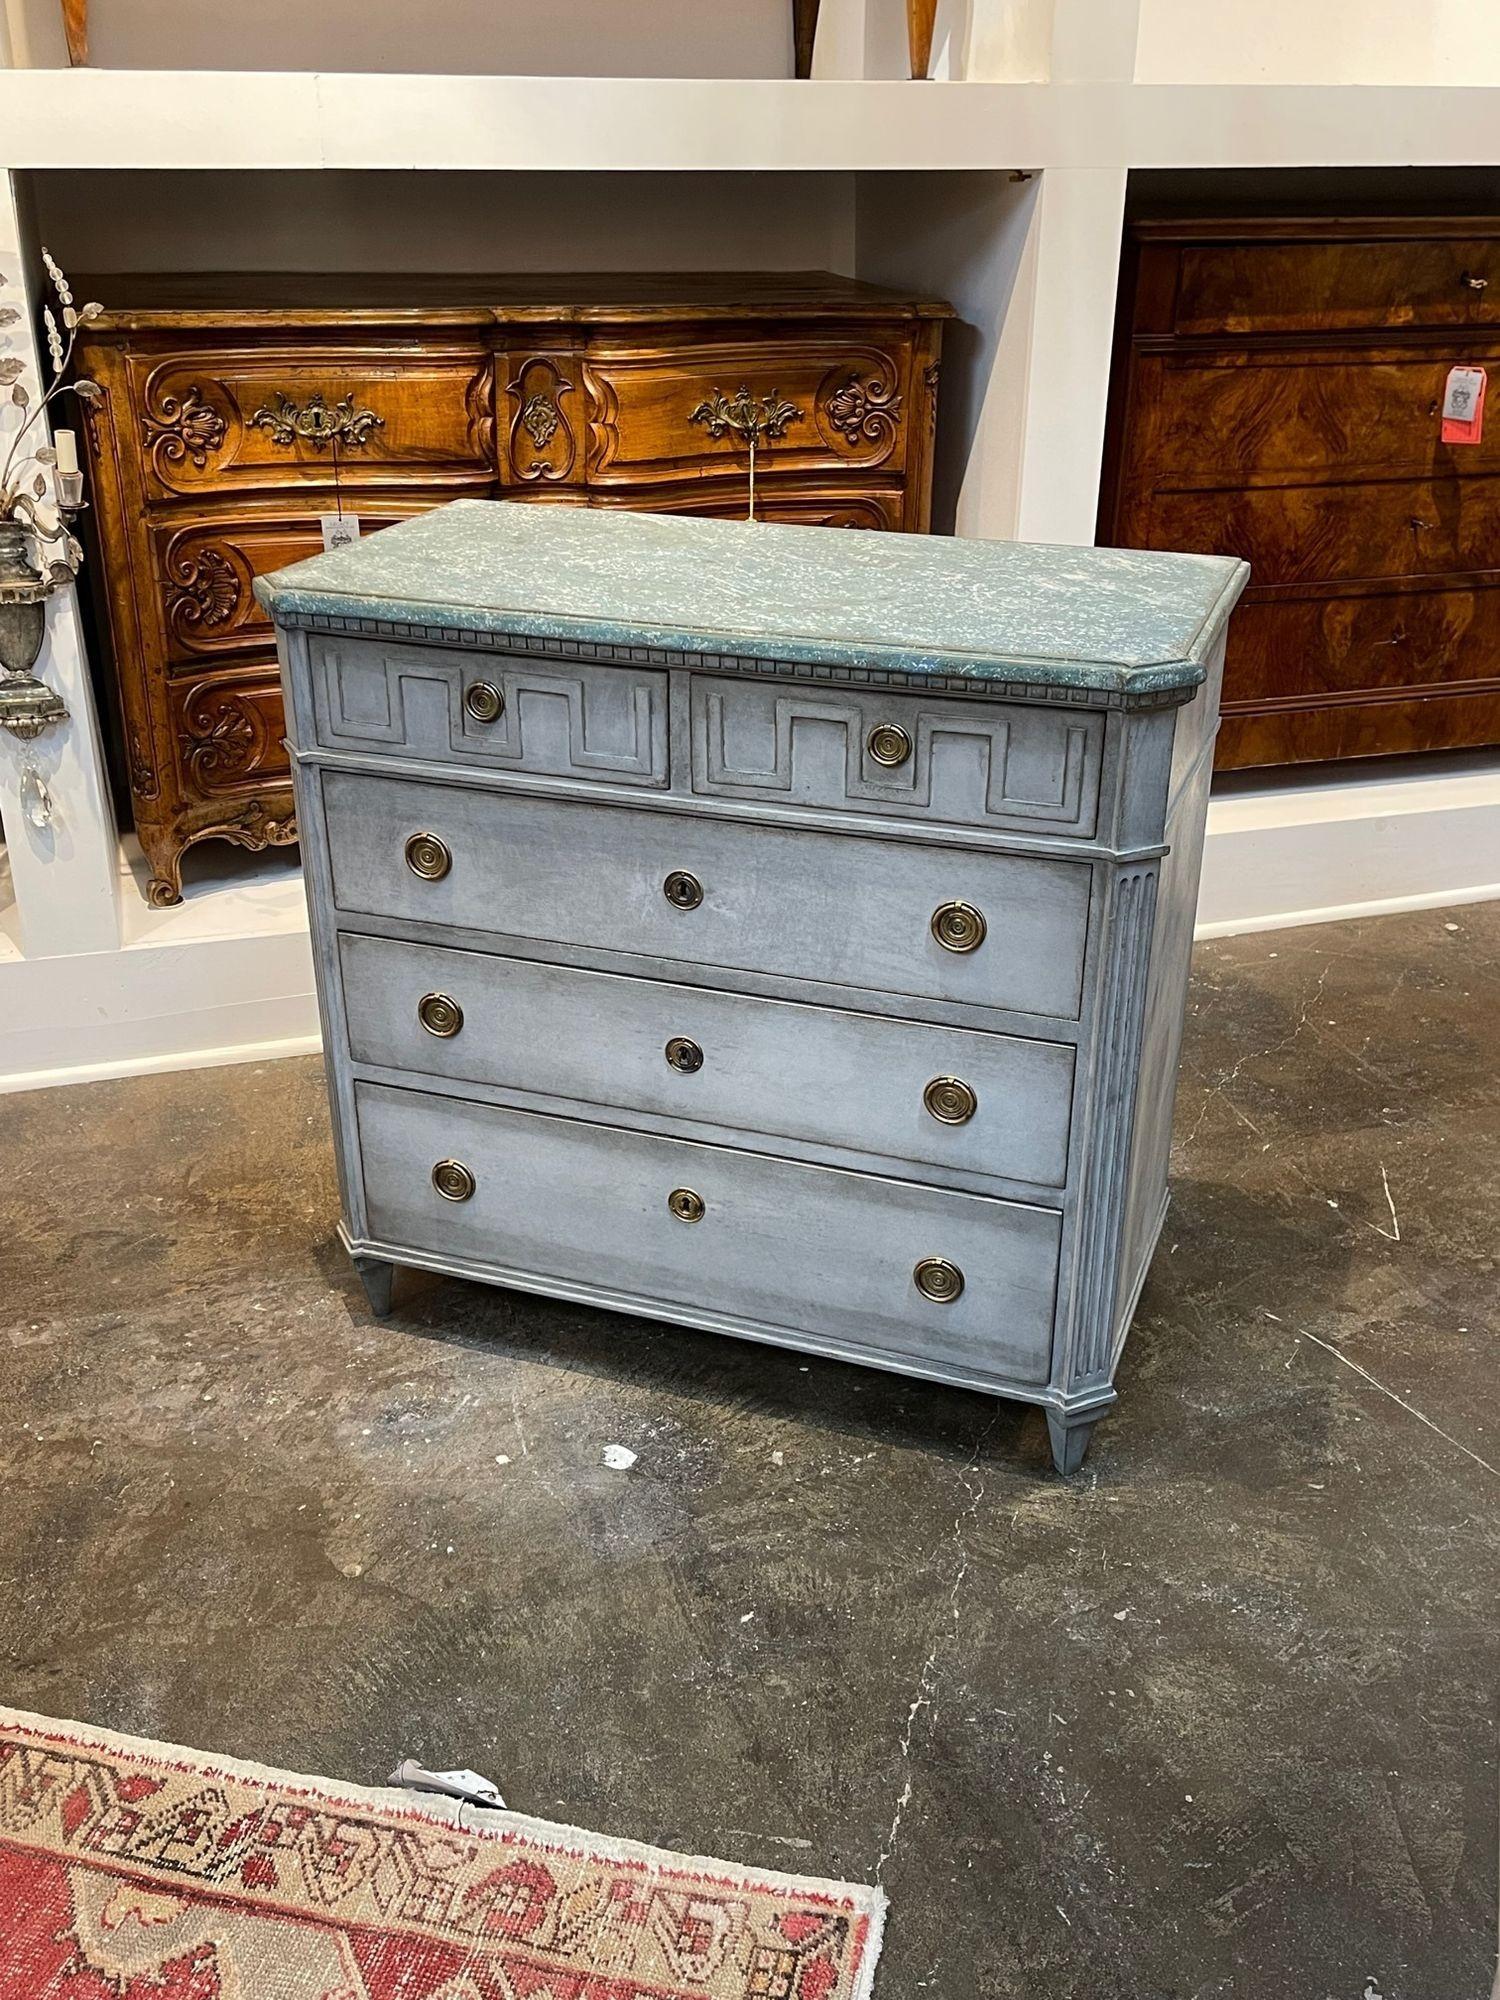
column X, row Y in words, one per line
column 132, row 1870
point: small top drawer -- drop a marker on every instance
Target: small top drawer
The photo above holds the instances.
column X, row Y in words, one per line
column 1439, row 281
column 967, row 763
column 887, row 917
column 488, row 710
column 258, row 418
column 814, row 402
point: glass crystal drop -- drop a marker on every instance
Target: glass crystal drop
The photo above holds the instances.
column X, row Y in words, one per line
column 36, row 800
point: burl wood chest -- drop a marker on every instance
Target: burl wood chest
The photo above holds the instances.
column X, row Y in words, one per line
column 778, row 932
column 238, row 411
column 1278, row 396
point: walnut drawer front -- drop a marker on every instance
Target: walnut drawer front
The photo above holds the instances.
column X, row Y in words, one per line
column 491, row 710
column 776, row 1244
column 1031, row 770
column 817, row 401
column 1444, row 281
column 728, row 894
column 986, row 1105
column 258, row 417
column 204, row 570
column 1297, row 414
column 1303, row 533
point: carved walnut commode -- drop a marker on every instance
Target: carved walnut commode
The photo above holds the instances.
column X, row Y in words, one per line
column 780, row 933
column 239, row 410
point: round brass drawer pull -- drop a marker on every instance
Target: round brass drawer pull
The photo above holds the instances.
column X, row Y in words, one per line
column 888, row 744
column 938, row 1280
column 428, row 857
column 684, row 1055
column 453, row 1180
column 440, row 1015
column 682, row 891
column 950, row 1100
column 484, row 701
column 958, row 926
column 686, row 1205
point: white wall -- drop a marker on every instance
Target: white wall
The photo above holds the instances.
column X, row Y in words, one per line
column 963, row 236
column 1319, row 41
column 456, row 37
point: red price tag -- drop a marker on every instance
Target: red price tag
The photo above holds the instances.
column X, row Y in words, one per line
column 1463, row 406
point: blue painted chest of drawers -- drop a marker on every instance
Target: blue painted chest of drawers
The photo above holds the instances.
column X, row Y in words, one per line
column 780, row 931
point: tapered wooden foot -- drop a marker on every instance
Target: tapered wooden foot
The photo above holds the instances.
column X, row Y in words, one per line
column 379, row 1280
column 1069, row 1441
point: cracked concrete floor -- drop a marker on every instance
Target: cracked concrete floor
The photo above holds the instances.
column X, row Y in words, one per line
column 1216, row 1719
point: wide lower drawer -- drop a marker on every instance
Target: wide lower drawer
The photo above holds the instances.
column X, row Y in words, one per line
column 810, row 1251
column 1317, row 534
column 829, row 908
column 975, row 1103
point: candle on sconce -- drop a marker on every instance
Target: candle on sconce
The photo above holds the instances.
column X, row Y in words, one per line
column 69, row 479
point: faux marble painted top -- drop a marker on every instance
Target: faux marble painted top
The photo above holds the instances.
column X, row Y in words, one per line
column 1126, row 620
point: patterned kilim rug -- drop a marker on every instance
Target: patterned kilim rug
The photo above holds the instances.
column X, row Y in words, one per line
column 131, row 1870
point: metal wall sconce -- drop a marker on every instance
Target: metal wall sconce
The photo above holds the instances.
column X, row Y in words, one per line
column 41, row 490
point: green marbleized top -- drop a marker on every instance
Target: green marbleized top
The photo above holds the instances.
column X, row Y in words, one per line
column 1125, row 620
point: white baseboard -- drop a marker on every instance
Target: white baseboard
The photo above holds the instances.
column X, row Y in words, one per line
column 226, row 977
column 1420, row 834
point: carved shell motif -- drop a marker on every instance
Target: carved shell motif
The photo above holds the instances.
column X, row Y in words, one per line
column 183, row 427
column 205, row 590
column 225, row 736
column 868, row 410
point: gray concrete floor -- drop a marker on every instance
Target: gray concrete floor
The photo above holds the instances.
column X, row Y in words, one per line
column 1215, row 1719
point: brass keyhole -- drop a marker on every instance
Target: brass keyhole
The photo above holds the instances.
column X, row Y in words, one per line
column 428, row 857
column 453, row 1180
column 684, row 1055
column 440, row 1015
column 938, row 1280
column 484, row 701
column 958, row 927
column 950, row 1100
column 686, row 1205
column 682, row 890
column 888, row 744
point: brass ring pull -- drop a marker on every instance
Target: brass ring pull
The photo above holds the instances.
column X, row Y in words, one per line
column 484, row 701
column 440, row 1015
column 682, row 890
column 888, row 744
column 686, row 1205
column 950, row 1100
column 453, row 1180
column 684, row 1055
column 938, row 1280
column 1473, row 283
column 958, row 927
column 428, row 857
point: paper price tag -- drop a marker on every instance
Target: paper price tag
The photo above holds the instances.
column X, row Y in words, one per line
column 1463, row 406
column 339, row 530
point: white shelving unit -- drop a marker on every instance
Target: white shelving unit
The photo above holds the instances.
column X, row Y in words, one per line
column 1005, row 195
